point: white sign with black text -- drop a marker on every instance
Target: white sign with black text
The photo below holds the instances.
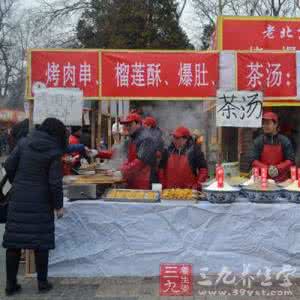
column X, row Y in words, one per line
column 239, row 109
column 62, row 103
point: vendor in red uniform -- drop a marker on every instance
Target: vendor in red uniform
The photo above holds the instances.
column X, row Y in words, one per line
column 183, row 164
column 74, row 139
column 140, row 168
column 272, row 150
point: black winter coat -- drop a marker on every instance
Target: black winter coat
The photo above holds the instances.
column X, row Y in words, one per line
column 35, row 171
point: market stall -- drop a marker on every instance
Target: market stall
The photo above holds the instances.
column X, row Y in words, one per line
column 253, row 39
column 129, row 229
column 232, row 223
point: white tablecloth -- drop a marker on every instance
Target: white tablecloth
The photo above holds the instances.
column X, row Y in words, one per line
column 126, row 239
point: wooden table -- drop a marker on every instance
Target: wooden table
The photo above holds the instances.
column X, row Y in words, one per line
column 92, row 179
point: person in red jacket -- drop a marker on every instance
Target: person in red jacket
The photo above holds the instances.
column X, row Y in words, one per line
column 74, row 138
column 183, row 164
column 72, row 160
column 140, row 168
column 272, row 150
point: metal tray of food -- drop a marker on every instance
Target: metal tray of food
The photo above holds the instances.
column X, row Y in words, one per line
column 180, row 195
column 131, row 195
column 86, row 172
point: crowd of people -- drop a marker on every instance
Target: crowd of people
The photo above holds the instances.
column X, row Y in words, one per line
column 150, row 161
column 39, row 159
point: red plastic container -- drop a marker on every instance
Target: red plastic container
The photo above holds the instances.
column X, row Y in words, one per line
column 294, row 173
column 220, row 177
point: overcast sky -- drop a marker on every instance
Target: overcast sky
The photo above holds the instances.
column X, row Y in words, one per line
column 186, row 21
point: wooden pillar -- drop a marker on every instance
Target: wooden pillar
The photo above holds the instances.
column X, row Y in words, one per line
column 117, row 118
column 220, row 142
column 206, row 113
column 240, row 136
column 93, row 129
column 99, row 127
column 109, row 128
column 31, row 103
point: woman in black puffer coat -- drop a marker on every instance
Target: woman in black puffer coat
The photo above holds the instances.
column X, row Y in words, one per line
column 35, row 171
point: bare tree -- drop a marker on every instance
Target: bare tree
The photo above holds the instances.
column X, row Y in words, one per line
column 16, row 32
column 15, row 36
column 208, row 10
column 183, row 5
column 63, row 12
column 59, row 9
column 20, row 30
column 6, row 44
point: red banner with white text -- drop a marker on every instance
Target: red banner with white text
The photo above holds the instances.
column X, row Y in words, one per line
column 159, row 75
column 65, row 69
column 259, row 33
column 272, row 73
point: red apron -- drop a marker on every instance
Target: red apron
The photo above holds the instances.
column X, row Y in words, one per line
column 138, row 179
column 178, row 173
column 272, row 155
column 132, row 155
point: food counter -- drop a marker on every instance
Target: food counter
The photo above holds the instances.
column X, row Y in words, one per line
column 98, row 238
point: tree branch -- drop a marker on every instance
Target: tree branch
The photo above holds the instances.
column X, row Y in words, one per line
column 182, row 9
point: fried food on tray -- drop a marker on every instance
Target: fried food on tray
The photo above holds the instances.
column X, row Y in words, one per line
column 131, row 194
column 178, row 194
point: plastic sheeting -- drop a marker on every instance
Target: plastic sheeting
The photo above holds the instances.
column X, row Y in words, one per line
column 127, row 239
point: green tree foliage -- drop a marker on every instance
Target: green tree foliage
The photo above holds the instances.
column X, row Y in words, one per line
column 206, row 37
column 132, row 24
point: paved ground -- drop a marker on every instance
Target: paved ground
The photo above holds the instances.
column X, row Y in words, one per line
column 132, row 288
